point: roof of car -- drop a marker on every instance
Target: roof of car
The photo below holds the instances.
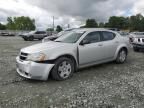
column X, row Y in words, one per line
column 93, row 29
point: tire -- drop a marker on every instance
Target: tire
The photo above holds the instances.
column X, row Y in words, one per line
column 135, row 49
column 122, row 56
column 31, row 38
column 63, row 69
column 25, row 39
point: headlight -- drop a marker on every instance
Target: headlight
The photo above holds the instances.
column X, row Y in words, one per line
column 37, row 57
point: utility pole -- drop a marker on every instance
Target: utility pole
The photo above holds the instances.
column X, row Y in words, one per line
column 53, row 23
column 68, row 26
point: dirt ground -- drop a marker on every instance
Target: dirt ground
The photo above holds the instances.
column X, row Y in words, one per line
column 107, row 85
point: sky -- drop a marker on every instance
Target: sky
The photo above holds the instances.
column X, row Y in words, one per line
column 72, row 12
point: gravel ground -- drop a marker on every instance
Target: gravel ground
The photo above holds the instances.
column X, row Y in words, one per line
column 107, row 85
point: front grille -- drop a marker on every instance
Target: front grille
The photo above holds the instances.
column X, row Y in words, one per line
column 23, row 56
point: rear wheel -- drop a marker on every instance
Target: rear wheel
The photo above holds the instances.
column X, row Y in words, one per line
column 122, row 56
column 63, row 69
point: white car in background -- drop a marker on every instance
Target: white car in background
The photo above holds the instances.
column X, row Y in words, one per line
column 137, row 40
column 34, row 35
column 77, row 49
column 55, row 36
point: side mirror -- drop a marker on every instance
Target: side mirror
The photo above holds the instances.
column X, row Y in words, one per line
column 84, row 42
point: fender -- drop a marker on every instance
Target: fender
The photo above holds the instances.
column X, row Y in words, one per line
column 119, row 48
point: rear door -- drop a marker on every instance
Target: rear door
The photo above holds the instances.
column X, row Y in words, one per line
column 110, row 44
column 40, row 34
column 36, row 34
column 43, row 34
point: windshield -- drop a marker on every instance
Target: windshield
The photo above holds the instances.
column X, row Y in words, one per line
column 61, row 33
column 71, row 37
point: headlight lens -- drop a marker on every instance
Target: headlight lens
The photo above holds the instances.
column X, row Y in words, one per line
column 37, row 57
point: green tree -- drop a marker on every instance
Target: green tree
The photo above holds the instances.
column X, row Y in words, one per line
column 50, row 29
column 20, row 23
column 91, row 23
column 118, row 22
column 59, row 28
column 10, row 24
column 2, row 27
column 136, row 23
column 101, row 25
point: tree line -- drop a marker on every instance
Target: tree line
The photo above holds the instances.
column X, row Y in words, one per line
column 131, row 23
column 19, row 23
column 23, row 23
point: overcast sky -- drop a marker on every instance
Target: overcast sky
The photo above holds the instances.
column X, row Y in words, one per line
column 73, row 12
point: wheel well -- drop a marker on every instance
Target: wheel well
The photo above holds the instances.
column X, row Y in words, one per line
column 125, row 49
column 70, row 57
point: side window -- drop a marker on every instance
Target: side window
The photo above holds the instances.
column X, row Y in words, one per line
column 42, row 32
column 37, row 32
column 108, row 35
column 93, row 37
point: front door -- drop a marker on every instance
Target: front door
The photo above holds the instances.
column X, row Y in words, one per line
column 92, row 51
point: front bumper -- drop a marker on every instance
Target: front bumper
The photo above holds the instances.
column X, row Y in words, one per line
column 33, row 70
column 141, row 46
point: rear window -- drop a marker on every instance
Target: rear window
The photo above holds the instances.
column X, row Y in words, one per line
column 108, row 36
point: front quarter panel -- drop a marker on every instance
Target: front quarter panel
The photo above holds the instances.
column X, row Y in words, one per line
column 65, row 50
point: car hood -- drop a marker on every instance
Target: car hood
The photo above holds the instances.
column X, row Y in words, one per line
column 137, row 36
column 140, row 36
column 43, row 46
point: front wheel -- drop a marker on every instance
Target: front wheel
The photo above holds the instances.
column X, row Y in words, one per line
column 122, row 56
column 25, row 39
column 63, row 69
column 31, row 38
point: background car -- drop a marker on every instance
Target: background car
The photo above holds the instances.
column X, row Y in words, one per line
column 34, row 35
column 55, row 36
column 137, row 40
column 7, row 33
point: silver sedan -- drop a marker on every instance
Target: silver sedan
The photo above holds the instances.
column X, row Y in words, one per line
column 77, row 49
